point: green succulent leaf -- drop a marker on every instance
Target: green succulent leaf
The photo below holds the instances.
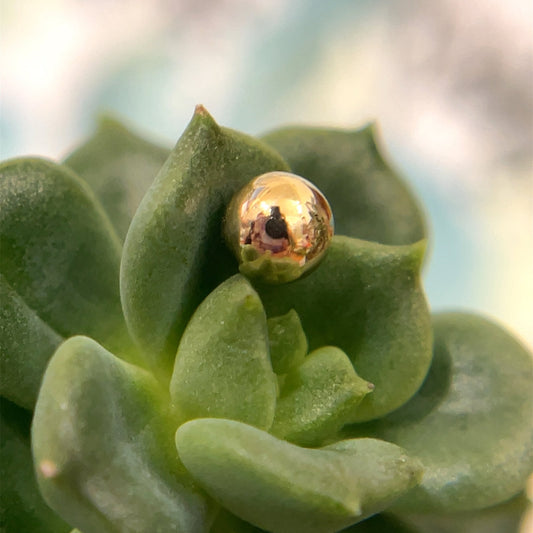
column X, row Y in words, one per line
column 59, row 254
column 383, row 523
column 104, row 431
column 380, row 523
column 283, row 488
column 318, row 397
column 26, row 345
column 119, row 166
column 471, row 424
column 103, row 447
column 174, row 254
column 502, row 518
column 226, row 522
column 288, row 343
column 22, row 508
column 369, row 200
column 505, row 517
column 367, row 299
column 223, row 366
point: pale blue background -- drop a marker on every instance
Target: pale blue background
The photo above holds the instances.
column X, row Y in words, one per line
column 449, row 83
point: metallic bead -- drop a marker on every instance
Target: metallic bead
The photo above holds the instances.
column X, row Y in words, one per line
column 279, row 227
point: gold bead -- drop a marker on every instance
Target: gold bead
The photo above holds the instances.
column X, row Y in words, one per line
column 279, row 227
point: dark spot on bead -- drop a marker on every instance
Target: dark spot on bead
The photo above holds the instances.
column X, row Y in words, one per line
column 276, row 227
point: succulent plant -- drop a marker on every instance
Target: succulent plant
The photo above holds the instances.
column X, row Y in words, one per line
column 168, row 392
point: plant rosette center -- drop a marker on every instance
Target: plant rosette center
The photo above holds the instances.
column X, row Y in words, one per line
column 187, row 347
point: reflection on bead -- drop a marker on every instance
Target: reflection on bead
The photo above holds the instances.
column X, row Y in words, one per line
column 279, row 227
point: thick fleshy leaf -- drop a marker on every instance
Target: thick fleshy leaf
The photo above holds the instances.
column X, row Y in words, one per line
column 471, row 424
column 368, row 198
column 283, row 488
column 318, row 398
column 223, row 366
column 288, row 343
column 119, row 166
column 174, row 254
column 226, row 522
column 367, row 299
column 383, row 523
column 503, row 518
column 59, row 252
column 22, row 508
column 26, row 345
column 103, row 447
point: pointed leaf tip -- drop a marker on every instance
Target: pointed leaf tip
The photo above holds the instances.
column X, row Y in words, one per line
column 282, row 487
column 173, row 254
column 201, row 110
column 202, row 116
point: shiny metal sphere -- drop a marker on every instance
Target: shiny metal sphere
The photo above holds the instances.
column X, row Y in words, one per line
column 279, row 227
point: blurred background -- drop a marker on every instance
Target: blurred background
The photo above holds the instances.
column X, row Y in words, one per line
column 450, row 83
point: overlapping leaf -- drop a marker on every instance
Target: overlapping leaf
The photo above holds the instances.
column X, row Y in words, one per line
column 509, row 516
column 174, row 254
column 26, row 344
column 367, row 299
column 119, row 166
column 369, row 200
column 288, row 343
column 103, row 434
column 59, row 265
column 223, row 366
column 318, row 397
column 283, row 488
column 103, row 447
column 471, row 424
column 22, row 508
column 383, row 523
